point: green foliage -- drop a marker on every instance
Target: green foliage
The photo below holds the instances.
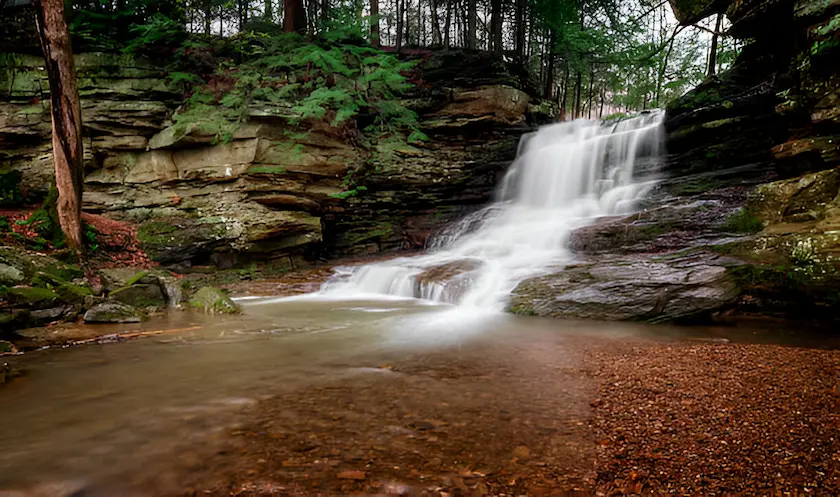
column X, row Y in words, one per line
column 158, row 30
column 91, row 236
column 10, row 192
column 349, row 193
column 286, row 76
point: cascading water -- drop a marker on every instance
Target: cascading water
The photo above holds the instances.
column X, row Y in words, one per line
column 565, row 175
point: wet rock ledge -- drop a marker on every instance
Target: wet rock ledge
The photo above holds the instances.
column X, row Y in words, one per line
column 747, row 221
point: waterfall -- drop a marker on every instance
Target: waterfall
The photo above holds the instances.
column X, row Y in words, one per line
column 565, row 175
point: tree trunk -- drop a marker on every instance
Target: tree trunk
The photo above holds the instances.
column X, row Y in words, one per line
column 400, row 13
column 65, row 108
column 294, row 20
column 208, row 16
column 564, row 98
column 374, row 23
column 436, row 34
column 549, row 78
column 713, row 51
column 578, row 85
column 496, row 25
column 325, row 12
column 521, row 30
column 268, row 14
column 591, row 86
column 603, row 97
column 448, row 24
column 471, row 22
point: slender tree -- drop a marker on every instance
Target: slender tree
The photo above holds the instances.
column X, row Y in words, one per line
column 65, row 109
column 294, row 20
column 496, row 26
column 472, row 16
column 374, row 23
column 714, row 48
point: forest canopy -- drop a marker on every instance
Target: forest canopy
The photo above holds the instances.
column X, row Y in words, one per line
column 595, row 57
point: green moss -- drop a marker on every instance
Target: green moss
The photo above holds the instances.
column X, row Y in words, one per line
column 30, row 295
column 742, row 221
column 155, row 232
column 695, row 186
column 213, row 300
column 522, row 310
column 266, row 170
column 136, row 278
column 69, row 291
column 63, row 272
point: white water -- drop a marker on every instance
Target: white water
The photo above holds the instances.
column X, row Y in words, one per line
column 565, row 176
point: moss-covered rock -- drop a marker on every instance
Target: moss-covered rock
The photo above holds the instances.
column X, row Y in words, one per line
column 214, row 300
column 9, row 275
column 112, row 312
column 140, row 295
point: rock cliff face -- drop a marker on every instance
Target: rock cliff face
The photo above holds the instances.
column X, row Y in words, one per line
column 263, row 194
column 747, row 219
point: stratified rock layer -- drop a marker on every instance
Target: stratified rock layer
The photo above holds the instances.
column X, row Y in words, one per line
column 263, row 194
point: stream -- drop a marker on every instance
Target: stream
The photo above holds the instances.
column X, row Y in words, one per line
column 147, row 415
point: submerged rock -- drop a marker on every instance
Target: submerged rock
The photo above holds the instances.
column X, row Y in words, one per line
column 214, row 300
column 112, row 312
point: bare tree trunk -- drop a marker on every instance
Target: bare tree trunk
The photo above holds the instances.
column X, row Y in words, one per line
column 521, row 30
column 436, row 34
column 591, row 86
column 208, row 16
column 578, row 85
column 294, row 20
column 471, row 22
column 421, row 23
column 447, row 24
column 564, row 98
column 374, row 23
column 549, row 79
column 400, row 14
column 269, row 11
column 496, row 25
column 713, row 52
column 603, row 97
column 65, row 108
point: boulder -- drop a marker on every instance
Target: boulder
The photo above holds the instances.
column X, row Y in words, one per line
column 140, row 295
column 112, row 312
column 667, row 288
column 689, row 12
column 10, row 275
column 214, row 300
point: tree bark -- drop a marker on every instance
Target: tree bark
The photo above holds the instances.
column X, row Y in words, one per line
column 471, row 22
column 447, row 24
column 294, row 20
column 436, row 33
column 208, row 16
column 66, row 112
column 713, row 52
column 400, row 13
column 496, row 25
column 564, row 98
column 591, row 86
column 374, row 23
column 549, row 77
column 521, row 30
column 578, row 87
column 325, row 12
